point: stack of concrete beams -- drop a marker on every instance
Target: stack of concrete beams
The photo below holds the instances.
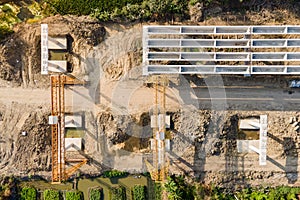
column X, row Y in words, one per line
column 221, row 50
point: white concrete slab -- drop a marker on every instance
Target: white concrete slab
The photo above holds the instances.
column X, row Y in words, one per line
column 57, row 65
column 73, row 144
column 252, row 124
column 247, row 146
column 159, row 121
column 57, row 42
column 73, row 121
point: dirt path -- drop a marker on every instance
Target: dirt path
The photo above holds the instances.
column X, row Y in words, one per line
column 236, row 98
column 26, row 96
column 250, row 98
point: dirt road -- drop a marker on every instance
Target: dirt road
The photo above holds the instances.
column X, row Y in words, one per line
column 26, row 96
column 250, row 98
column 237, row 97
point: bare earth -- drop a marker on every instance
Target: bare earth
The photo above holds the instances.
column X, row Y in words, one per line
column 117, row 104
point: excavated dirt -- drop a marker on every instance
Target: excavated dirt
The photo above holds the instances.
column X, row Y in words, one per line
column 117, row 129
column 30, row 152
column 20, row 53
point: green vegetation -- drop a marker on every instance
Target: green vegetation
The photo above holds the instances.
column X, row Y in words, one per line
column 118, row 193
column 106, row 183
column 278, row 193
column 119, row 10
column 177, row 188
column 74, row 195
column 158, row 191
column 85, row 7
column 51, row 195
column 2, row 191
column 139, row 192
column 114, row 173
column 96, row 193
column 217, row 193
column 4, row 31
column 285, row 192
column 109, row 10
column 28, row 193
column 10, row 14
column 8, row 17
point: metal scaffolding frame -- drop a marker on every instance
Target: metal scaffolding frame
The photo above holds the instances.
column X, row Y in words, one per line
column 59, row 171
column 159, row 170
column 57, row 110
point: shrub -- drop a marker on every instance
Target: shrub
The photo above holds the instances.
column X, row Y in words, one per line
column 217, row 193
column 116, row 10
column 74, row 195
column 51, row 195
column 139, row 192
column 28, row 193
column 114, row 173
column 96, row 193
column 4, row 31
column 278, row 193
column 199, row 191
column 283, row 192
column 178, row 188
column 85, row 7
column 158, row 191
column 118, row 193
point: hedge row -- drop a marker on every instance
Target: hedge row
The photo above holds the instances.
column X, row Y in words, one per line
column 28, row 193
column 86, row 7
column 74, row 195
column 115, row 173
column 122, row 10
column 96, row 193
column 139, row 192
column 118, row 193
column 51, row 195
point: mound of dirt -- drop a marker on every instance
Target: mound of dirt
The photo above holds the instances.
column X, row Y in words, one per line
column 33, row 151
column 20, row 53
column 25, row 139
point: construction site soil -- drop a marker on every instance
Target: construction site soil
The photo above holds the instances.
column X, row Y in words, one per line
column 117, row 105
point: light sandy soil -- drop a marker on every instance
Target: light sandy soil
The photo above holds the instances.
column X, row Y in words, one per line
column 116, row 108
